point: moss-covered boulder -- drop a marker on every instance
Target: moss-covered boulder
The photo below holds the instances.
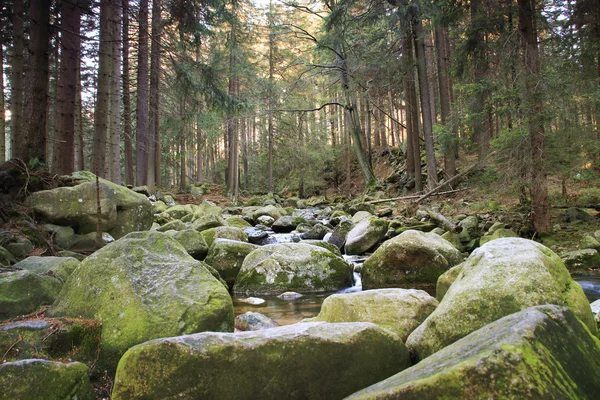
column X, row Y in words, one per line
column 134, row 210
column 64, row 236
column 270, row 210
column 297, row 267
column 286, row 223
column 60, row 267
column 539, row 353
column 316, row 232
column 360, row 215
column 208, row 221
column 579, row 261
column 224, row 232
column 193, row 242
column 51, row 338
column 142, row 287
column 340, row 232
column 44, row 380
column 411, row 258
column 238, row 222
column 20, row 247
column 22, row 292
column 587, row 242
column 301, row 361
column 497, row 234
column 500, row 278
column 365, row 234
column 326, row 245
column 77, row 206
column 227, row 256
column 175, row 225
column 179, row 211
column 398, row 310
column 445, row 280
column 6, row 257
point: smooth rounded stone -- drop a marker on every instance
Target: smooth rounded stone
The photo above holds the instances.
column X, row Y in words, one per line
column 67, row 253
column 265, row 220
column 269, row 210
column 360, row 215
column 502, row 277
column 6, row 257
column 597, row 234
column 326, row 245
column 224, row 232
column 300, row 361
column 438, row 231
column 42, row 379
column 193, row 242
column 52, row 338
column 142, row 287
column 134, row 210
column 445, row 280
column 398, row 310
column 581, row 260
column 495, row 226
column 340, row 232
column 541, row 352
column 208, row 221
column 421, row 215
column 298, row 267
column 286, row 223
column 253, row 321
column 596, row 312
column 227, row 256
column 178, row 211
column 22, row 292
column 21, row 248
column 175, row 225
column 256, row 235
column 454, row 239
column 413, row 257
column 142, row 190
column 498, row 233
column 316, row 232
column 587, row 242
column 159, row 207
column 255, row 301
column 290, row 296
column 60, row 267
column 366, row 234
column 303, row 228
column 77, row 206
column 63, row 236
column 238, row 222
column 471, row 226
column 87, row 243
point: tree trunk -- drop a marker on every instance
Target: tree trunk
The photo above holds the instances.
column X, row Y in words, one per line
column 153, row 112
column 533, row 94
column 114, row 148
column 16, row 82
column 127, row 127
column 67, row 84
column 141, row 133
column 444, row 90
column 270, row 127
column 36, row 82
column 480, row 122
column 102, row 108
column 413, row 115
column 80, row 143
column 2, row 122
column 425, row 103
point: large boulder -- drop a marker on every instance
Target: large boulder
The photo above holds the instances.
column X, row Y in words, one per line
column 224, row 232
column 270, row 210
column 227, row 256
column 64, row 236
column 193, row 242
column 299, row 267
column 208, row 221
column 541, row 352
column 340, row 232
column 500, row 278
column 286, row 223
column 301, row 361
column 77, row 206
column 44, row 380
column 134, row 210
column 22, row 292
column 365, row 234
column 6, row 257
column 60, row 267
column 141, row 287
column 253, row 321
column 398, row 310
column 580, row 261
column 498, row 234
column 413, row 257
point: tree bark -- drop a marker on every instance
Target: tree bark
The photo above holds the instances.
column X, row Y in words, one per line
column 141, row 139
column 270, row 127
column 425, row 101
column 114, row 148
column 533, row 94
column 36, row 81
column 67, row 84
column 127, row 127
column 80, row 143
column 481, row 126
column 153, row 112
column 16, row 81
column 444, row 90
column 412, row 116
column 2, row 122
column 102, row 108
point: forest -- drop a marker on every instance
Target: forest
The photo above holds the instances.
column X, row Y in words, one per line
column 300, row 199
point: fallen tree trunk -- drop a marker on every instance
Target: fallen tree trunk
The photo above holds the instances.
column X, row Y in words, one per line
column 416, row 196
column 449, row 181
column 442, row 221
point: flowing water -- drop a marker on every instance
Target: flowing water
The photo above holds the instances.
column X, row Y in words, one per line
column 590, row 285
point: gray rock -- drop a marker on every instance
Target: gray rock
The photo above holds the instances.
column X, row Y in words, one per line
column 60, row 267
column 286, row 223
column 193, row 242
column 227, row 256
column 253, row 321
column 6, row 257
column 22, row 292
column 365, row 234
column 581, row 260
column 64, row 236
column 21, row 248
column 290, row 296
column 175, row 225
column 340, row 232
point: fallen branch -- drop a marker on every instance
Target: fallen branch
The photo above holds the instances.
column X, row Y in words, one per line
column 445, row 183
column 442, row 221
column 415, row 196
